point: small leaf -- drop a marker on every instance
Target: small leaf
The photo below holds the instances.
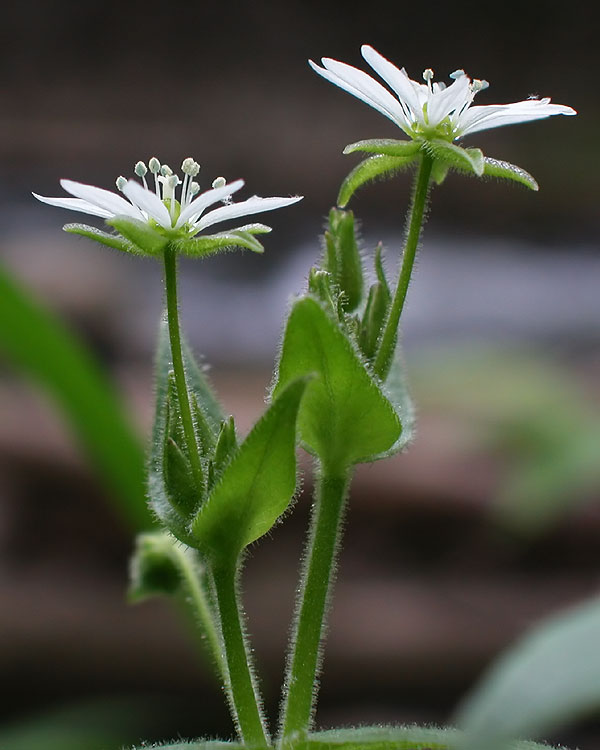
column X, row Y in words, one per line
column 386, row 146
column 256, row 485
column 344, row 417
column 396, row 389
column 227, row 445
column 506, row 171
column 371, row 169
column 469, row 160
column 104, row 238
column 549, row 678
column 255, row 228
column 200, row 247
column 140, row 233
column 349, row 271
column 379, row 268
column 319, row 285
column 439, row 171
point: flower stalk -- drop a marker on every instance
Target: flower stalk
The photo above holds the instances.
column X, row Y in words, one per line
column 387, row 345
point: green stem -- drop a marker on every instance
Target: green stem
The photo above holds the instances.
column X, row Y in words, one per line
column 197, row 601
column 385, row 354
column 243, row 692
column 178, row 368
column 304, row 659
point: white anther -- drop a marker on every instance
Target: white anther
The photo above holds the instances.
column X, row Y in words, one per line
column 457, row 74
column 140, row 169
column 428, row 75
column 219, row 182
column 479, row 85
column 121, row 182
column 166, row 170
column 154, row 165
column 194, row 188
column 189, row 166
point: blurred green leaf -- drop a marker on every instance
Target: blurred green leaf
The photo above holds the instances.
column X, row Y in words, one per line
column 393, row 738
column 199, row 247
column 344, row 417
column 32, row 339
column 104, row 238
column 385, row 146
column 548, row 679
column 506, row 171
column 257, row 484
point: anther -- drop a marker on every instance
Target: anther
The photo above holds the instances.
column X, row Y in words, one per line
column 154, row 165
column 194, row 188
column 121, row 182
column 219, row 182
column 457, row 74
column 479, row 85
column 428, row 75
column 166, row 170
column 189, row 166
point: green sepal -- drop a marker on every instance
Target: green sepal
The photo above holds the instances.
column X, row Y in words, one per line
column 175, row 519
column 506, row 171
column 385, row 146
column 200, row 247
column 180, row 485
column 370, row 169
column 319, row 285
column 379, row 268
column 439, row 171
column 104, row 238
column 140, row 233
column 153, row 570
column 373, row 319
column 344, row 418
column 396, row 389
column 225, row 449
column 257, row 485
column 255, row 228
column 348, row 273
column 464, row 159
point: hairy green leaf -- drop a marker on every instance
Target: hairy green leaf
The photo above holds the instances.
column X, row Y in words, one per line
column 348, row 272
column 507, row 171
column 371, row 169
column 386, row 146
column 344, row 417
column 216, row 243
column 104, row 238
column 257, row 484
column 549, row 678
column 34, row 340
column 466, row 159
column 140, row 233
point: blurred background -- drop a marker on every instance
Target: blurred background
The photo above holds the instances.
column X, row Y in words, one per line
column 490, row 522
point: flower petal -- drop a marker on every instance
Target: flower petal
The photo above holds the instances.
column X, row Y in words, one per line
column 148, row 201
column 453, row 98
column 253, row 205
column 206, row 199
column 494, row 116
column 363, row 87
column 74, row 204
column 394, row 77
column 105, row 199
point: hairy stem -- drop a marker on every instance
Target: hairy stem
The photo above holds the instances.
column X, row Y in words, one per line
column 178, row 368
column 304, row 659
column 385, row 353
column 243, row 691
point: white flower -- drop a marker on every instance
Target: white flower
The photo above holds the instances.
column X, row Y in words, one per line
column 181, row 218
column 430, row 110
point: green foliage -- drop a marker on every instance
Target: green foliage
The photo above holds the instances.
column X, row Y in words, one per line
column 452, row 156
column 343, row 258
column 104, row 238
column 32, row 339
column 200, row 247
column 155, row 568
column 550, row 677
column 257, row 484
column 344, row 418
column 141, row 234
column 506, row 171
column 385, row 146
column 379, row 166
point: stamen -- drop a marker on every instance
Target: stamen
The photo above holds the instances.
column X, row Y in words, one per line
column 190, row 167
column 428, row 77
column 219, row 182
column 479, row 85
column 166, row 170
column 120, row 183
column 154, row 165
column 141, row 170
column 194, row 189
column 457, row 74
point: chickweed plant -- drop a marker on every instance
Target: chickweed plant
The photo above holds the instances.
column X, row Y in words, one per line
column 338, row 391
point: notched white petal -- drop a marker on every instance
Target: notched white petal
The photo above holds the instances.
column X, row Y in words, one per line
column 105, row 199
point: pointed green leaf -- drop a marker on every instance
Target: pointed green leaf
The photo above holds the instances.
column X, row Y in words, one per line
column 140, row 233
column 465, row 159
column 319, row 285
column 179, row 480
column 371, row 169
column 254, row 228
column 506, row 171
column 160, row 500
column 32, row 339
column 344, row 418
column 549, row 678
column 439, row 171
column 349, row 270
column 386, row 146
column 226, row 444
column 257, row 484
column 104, row 238
column 200, row 247
column 396, row 389
column 379, row 268
column 393, row 738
